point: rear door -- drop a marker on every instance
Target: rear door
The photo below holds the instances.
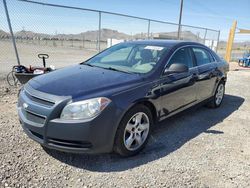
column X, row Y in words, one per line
column 179, row 89
column 206, row 65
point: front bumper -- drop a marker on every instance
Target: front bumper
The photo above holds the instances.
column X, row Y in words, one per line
column 39, row 115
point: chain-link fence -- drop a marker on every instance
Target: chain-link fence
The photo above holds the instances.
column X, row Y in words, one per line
column 72, row 34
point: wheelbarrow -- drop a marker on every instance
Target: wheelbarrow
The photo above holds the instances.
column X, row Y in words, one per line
column 23, row 74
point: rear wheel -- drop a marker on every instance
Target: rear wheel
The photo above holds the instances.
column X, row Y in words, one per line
column 11, row 79
column 218, row 96
column 133, row 131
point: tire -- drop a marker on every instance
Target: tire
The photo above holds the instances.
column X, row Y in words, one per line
column 11, row 79
column 133, row 131
column 218, row 96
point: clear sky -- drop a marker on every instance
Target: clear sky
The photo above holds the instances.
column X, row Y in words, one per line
column 214, row 14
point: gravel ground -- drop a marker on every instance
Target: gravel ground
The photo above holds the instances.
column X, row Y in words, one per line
column 199, row 148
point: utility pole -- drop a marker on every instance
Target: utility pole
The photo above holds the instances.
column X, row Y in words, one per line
column 180, row 16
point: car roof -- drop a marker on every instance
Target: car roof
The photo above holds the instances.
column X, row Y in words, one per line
column 165, row 43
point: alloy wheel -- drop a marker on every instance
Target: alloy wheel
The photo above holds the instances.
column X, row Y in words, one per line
column 136, row 131
column 219, row 94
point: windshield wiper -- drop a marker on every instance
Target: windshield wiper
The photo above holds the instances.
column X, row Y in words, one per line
column 118, row 70
column 88, row 64
column 108, row 68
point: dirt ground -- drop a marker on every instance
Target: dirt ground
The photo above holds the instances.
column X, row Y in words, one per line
column 199, row 148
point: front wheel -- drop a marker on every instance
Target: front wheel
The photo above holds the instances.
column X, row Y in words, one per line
column 218, row 96
column 133, row 131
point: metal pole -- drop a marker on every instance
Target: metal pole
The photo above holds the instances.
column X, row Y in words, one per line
column 83, row 38
column 180, row 16
column 218, row 40
column 205, row 36
column 99, row 32
column 148, row 29
column 11, row 32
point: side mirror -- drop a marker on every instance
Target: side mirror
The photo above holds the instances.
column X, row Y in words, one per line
column 176, row 68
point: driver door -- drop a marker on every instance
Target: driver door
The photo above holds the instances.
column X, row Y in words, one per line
column 178, row 90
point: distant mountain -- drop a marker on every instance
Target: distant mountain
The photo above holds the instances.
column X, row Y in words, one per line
column 93, row 35
column 88, row 35
column 105, row 34
column 245, row 44
column 109, row 33
column 30, row 35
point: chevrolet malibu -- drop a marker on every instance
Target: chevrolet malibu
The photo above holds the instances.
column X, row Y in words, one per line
column 112, row 101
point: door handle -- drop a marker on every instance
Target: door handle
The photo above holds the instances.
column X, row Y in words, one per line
column 195, row 75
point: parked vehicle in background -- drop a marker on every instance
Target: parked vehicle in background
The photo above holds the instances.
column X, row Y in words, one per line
column 112, row 101
column 245, row 61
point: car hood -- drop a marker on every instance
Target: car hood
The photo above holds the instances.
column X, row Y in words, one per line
column 80, row 80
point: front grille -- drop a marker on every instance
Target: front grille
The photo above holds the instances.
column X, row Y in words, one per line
column 33, row 117
column 35, row 99
column 71, row 144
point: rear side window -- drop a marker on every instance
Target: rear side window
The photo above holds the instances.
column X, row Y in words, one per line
column 202, row 56
column 182, row 56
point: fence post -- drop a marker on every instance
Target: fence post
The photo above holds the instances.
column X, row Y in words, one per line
column 205, row 36
column 99, row 32
column 83, row 38
column 148, row 29
column 11, row 32
column 179, row 25
column 218, row 40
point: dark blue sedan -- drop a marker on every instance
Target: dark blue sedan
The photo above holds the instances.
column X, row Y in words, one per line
column 112, row 101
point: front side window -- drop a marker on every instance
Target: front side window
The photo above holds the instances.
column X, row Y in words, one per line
column 202, row 56
column 182, row 56
column 129, row 57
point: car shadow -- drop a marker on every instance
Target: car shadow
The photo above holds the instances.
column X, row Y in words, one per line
column 167, row 137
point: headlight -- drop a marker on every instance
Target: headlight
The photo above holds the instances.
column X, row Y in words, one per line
column 84, row 109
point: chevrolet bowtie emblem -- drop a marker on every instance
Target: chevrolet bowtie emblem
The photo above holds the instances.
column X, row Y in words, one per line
column 25, row 105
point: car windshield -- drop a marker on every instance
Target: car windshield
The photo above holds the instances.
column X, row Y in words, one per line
column 129, row 57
